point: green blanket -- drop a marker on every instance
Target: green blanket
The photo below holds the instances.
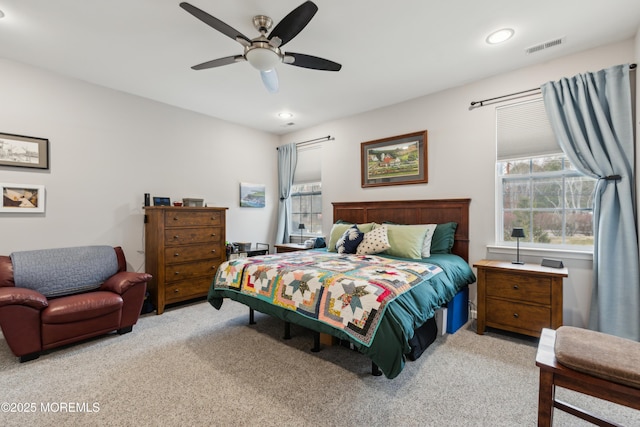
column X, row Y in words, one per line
column 396, row 327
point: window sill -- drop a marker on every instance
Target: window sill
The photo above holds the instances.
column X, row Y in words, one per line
column 542, row 252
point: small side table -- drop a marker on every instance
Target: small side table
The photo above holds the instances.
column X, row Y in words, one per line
column 522, row 298
column 290, row 247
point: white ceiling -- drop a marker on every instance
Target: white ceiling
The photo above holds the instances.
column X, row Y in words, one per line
column 390, row 51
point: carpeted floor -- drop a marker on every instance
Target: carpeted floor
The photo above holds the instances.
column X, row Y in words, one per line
column 196, row 366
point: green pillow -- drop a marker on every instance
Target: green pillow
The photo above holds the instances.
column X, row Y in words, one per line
column 338, row 230
column 406, row 240
column 443, row 238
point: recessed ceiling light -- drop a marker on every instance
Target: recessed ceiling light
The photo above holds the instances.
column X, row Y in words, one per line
column 500, row 36
column 285, row 115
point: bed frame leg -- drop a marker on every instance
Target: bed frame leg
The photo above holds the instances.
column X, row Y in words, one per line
column 251, row 319
column 375, row 371
column 316, row 342
column 287, row 330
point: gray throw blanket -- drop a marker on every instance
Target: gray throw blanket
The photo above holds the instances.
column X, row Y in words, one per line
column 64, row 271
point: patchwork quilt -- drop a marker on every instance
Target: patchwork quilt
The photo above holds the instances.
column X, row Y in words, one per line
column 348, row 292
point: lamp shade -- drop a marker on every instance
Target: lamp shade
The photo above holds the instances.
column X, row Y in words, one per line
column 301, row 227
column 517, row 232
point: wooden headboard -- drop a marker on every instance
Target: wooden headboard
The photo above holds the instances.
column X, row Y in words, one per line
column 412, row 212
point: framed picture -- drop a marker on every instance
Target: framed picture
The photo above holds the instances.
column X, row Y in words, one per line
column 395, row 161
column 24, row 151
column 22, row 198
column 251, row 195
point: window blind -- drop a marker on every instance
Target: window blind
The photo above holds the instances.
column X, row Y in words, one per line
column 309, row 165
column 523, row 130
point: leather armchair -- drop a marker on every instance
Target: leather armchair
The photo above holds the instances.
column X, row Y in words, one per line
column 32, row 323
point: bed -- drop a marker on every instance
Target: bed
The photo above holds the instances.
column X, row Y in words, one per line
column 387, row 305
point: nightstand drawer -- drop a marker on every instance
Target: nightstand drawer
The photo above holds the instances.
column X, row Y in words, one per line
column 519, row 287
column 510, row 315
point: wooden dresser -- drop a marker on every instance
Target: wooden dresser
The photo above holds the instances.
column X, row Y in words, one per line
column 183, row 248
column 519, row 298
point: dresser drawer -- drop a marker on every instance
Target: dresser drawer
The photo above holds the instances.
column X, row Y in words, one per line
column 187, row 217
column 175, row 272
column 187, row 236
column 518, row 287
column 176, row 254
column 186, row 289
column 511, row 315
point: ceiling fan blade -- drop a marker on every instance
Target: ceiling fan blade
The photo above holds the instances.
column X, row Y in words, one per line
column 270, row 80
column 216, row 24
column 219, row 62
column 294, row 22
column 308, row 61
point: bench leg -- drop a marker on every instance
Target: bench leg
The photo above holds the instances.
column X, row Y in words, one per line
column 546, row 397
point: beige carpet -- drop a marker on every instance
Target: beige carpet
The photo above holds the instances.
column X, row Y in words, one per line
column 196, row 366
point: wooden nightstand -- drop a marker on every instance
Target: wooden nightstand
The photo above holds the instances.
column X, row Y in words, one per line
column 290, row 247
column 519, row 298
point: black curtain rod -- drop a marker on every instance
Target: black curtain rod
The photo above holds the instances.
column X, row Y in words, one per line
column 324, row 138
column 475, row 103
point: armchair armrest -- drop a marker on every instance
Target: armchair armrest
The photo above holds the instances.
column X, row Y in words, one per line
column 121, row 282
column 22, row 296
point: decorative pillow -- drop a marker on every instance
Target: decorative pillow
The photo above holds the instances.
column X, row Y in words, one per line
column 338, row 230
column 406, row 240
column 426, row 245
column 443, row 238
column 374, row 242
column 351, row 238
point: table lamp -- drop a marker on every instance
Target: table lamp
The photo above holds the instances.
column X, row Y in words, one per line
column 301, row 227
column 517, row 233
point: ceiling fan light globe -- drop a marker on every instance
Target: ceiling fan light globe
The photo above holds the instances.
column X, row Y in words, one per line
column 262, row 59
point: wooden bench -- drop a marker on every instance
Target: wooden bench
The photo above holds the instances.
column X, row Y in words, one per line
column 602, row 366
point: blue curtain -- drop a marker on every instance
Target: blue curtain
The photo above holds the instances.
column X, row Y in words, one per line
column 592, row 117
column 287, row 159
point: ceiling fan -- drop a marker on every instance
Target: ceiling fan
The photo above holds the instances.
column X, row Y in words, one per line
column 263, row 52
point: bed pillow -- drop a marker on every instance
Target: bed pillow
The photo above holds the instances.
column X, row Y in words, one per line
column 406, row 240
column 374, row 242
column 350, row 240
column 426, row 245
column 443, row 238
column 338, row 230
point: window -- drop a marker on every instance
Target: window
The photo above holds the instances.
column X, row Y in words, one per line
column 538, row 189
column 547, row 197
column 306, row 208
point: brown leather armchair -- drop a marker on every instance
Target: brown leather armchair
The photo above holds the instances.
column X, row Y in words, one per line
column 32, row 323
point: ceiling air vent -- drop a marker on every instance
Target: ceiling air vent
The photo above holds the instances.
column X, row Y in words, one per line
column 545, row 45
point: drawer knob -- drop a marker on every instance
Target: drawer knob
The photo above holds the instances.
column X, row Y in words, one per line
column 516, row 287
column 176, row 237
column 176, row 273
column 176, row 254
column 213, row 234
column 515, row 315
column 175, row 218
column 213, row 251
column 175, row 291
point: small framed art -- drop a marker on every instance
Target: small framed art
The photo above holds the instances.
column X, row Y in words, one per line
column 24, row 151
column 252, row 195
column 395, row 161
column 22, row 198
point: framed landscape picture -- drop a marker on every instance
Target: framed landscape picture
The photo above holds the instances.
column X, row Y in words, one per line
column 395, row 161
column 252, row 195
column 24, row 151
column 22, row 198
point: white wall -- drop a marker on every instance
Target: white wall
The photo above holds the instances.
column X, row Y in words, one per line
column 461, row 147
column 108, row 148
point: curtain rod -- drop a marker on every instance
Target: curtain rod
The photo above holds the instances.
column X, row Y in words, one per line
column 324, row 138
column 476, row 104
